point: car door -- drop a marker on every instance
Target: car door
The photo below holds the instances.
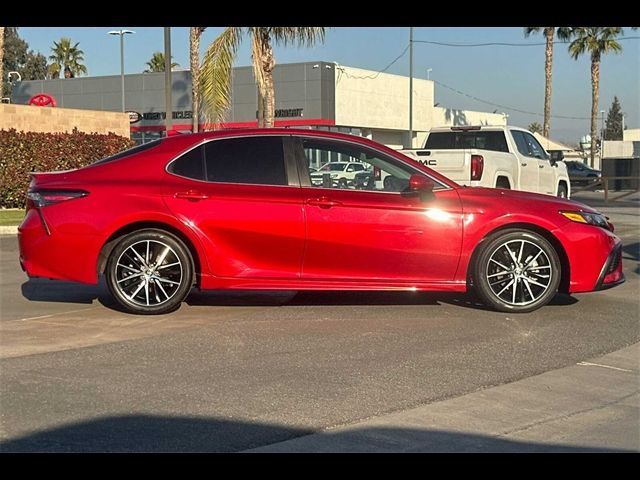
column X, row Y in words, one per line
column 546, row 172
column 528, row 169
column 241, row 198
column 371, row 231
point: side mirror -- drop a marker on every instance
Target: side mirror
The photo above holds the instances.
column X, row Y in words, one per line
column 420, row 185
column 556, row 156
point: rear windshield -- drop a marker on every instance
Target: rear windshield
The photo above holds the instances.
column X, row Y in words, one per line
column 494, row 141
column 130, row 151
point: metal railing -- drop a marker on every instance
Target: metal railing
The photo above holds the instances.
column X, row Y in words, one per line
column 602, row 183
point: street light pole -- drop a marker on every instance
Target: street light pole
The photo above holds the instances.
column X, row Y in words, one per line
column 601, row 138
column 167, row 79
column 428, row 72
column 122, row 33
column 410, row 87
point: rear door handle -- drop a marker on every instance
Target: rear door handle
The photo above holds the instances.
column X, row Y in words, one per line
column 523, row 164
column 192, row 195
column 540, row 166
column 323, row 202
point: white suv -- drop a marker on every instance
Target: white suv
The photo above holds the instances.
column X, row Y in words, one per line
column 337, row 173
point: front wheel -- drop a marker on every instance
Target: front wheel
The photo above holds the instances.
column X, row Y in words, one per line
column 516, row 271
column 149, row 272
column 562, row 191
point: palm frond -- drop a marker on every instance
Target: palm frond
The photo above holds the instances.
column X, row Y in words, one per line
column 303, row 36
column 215, row 73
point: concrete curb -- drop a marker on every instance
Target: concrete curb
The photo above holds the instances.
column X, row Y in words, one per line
column 9, row 230
column 587, row 407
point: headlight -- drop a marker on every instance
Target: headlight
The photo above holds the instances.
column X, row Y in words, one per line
column 596, row 219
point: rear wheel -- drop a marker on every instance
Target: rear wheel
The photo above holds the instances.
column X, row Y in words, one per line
column 516, row 271
column 503, row 183
column 149, row 272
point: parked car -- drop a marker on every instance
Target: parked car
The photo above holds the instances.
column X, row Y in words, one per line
column 582, row 174
column 237, row 209
column 493, row 156
column 337, row 173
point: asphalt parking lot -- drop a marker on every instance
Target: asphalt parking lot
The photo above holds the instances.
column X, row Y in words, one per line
column 238, row 371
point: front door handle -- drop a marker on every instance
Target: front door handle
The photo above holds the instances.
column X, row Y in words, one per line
column 323, row 202
column 193, row 195
column 523, row 164
column 540, row 166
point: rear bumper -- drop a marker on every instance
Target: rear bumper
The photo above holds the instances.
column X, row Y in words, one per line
column 60, row 254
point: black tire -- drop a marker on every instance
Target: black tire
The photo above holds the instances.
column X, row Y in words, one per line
column 503, row 183
column 154, row 281
column 562, row 190
column 520, row 281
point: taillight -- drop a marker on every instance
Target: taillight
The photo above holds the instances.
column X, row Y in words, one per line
column 42, row 198
column 477, row 166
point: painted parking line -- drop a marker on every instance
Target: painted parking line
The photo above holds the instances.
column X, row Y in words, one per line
column 587, row 364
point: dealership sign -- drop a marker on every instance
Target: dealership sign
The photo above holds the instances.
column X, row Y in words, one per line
column 134, row 117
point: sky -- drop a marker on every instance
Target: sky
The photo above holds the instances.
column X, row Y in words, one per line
column 512, row 77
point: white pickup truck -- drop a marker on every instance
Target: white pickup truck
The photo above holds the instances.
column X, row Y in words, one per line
column 493, row 156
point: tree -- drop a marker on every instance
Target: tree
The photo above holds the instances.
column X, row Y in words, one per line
column 1, row 59
column 596, row 41
column 563, row 34
column 66, row 57
column 535, row 127
column 156, row 64
column 215, row 81
column 613, row 129
column 194, row 56
column 18, row 58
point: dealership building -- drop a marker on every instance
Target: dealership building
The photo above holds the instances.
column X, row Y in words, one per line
column 309, row 95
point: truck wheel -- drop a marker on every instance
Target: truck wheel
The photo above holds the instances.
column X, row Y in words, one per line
column 503, row 183
column 516, row 271
column 562, row 190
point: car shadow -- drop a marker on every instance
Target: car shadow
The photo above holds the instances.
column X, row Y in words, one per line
column 44, row 290
column 156, row 433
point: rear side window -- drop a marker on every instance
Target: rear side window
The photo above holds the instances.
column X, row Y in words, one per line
column 250, row 160
column 130, row 151
column 190, row 165
column 487, row 140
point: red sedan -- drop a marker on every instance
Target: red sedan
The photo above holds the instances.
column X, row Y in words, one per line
column 237, row 210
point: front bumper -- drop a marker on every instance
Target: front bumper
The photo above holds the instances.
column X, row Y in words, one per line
column 611, row 274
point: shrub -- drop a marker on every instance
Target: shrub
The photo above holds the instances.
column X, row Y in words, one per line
column 24, row 152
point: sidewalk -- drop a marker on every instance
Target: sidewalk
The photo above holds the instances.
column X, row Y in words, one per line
column 589, row 407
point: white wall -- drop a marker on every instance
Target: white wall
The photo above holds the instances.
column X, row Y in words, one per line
column 631, row 135
column 368, row 99
column 617, row 148
column 444, row 117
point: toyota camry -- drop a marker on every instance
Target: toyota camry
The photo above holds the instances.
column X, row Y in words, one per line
column 236, row 209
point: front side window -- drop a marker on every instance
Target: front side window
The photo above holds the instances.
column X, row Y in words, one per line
column 534, row 147
column 528, row 145
column 368, row 169
column 248, row 160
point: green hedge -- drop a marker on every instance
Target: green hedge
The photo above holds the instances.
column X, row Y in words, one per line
column 25, row 152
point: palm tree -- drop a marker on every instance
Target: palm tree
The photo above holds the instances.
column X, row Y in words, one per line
column 65, row 56
column 194, row 55
column 156, row 64
column 535, row 127
column 563, row 34
column 596, row 41
column 215, row 78
column 1, row 58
